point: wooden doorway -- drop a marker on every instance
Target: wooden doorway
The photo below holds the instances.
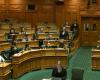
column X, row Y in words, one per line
column 90, row 27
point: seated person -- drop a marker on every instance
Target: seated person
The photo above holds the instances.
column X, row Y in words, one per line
column 13, row 42
column 49, row 44
column 11, row 35
column 11, row 38
column 59, row 72
column 1, row 59
column 25, row 39
column 33, row 37
column 39, row 30
column 12, row 31
column 61, row 43
column 13, row 50
column 27, row 47
column 50, row 37
column 41, row 43
column 22, row 30
column 63, row 34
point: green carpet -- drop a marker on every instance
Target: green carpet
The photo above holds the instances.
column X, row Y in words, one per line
column 81, row 59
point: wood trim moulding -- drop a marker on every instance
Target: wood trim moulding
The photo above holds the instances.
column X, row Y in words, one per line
column 90, row 12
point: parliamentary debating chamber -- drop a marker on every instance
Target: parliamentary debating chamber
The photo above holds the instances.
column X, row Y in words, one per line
column 49, row 40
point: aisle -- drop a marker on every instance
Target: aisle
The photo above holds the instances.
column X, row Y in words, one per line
column 82, row 60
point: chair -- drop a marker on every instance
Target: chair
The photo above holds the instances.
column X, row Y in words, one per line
column 59, row 76
column 77, row 74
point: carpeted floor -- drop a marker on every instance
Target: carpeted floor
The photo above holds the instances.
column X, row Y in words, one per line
column 81, row 59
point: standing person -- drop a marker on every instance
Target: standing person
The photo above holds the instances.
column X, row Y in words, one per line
column 59, row 72
column 74, row 29
column 63, row 34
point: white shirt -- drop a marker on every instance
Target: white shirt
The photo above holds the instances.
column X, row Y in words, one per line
column 1, row 59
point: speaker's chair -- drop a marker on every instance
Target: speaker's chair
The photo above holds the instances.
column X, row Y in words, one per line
column 77, row 74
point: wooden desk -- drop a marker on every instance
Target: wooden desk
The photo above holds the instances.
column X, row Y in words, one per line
column 96, row 62
column 41, row 36
column 50, row 57
column 95, row 59
column 46, row 36
column 27, row 61
column 95, row 51
column 5, row 71
column 2, row 37
column 21, row 36
column 51, row 42
column 5, row 46
column 33, row 43
column 50, row 29
column 4, row 30
column 37, row 59
column 54, row 35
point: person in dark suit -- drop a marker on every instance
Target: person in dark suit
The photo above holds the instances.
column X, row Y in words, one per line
column 74, row 26
column 40, row 43
column 75, row 29
column 11, row 31
column 61, row 43
column 63, row 34
column 13, row 50
column 34, row 36
column 11, row 35
column 27, row 47
column 59, row 72
column 22, row 30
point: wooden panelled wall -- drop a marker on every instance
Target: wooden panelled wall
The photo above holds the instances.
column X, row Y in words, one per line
column 17, row 10
column 45, row 10
column 49, row 11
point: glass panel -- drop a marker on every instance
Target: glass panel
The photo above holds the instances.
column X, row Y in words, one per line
column 94, row 27
column 86, row 27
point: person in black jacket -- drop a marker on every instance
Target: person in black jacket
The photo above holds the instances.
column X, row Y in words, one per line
column 63, row 34
column 11, row 36
column 61, row 44
column 75, row 29
column 23, row 30
column 13, row 50
column 59, row 72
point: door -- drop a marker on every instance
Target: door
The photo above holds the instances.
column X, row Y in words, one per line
column 90, row 29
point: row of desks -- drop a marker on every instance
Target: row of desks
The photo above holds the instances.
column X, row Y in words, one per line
column 33, row 43
column 7, row 46
column 18, row 30
column 95, row 59
column 26, row 61
column 3, row 37
column 38, row 59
